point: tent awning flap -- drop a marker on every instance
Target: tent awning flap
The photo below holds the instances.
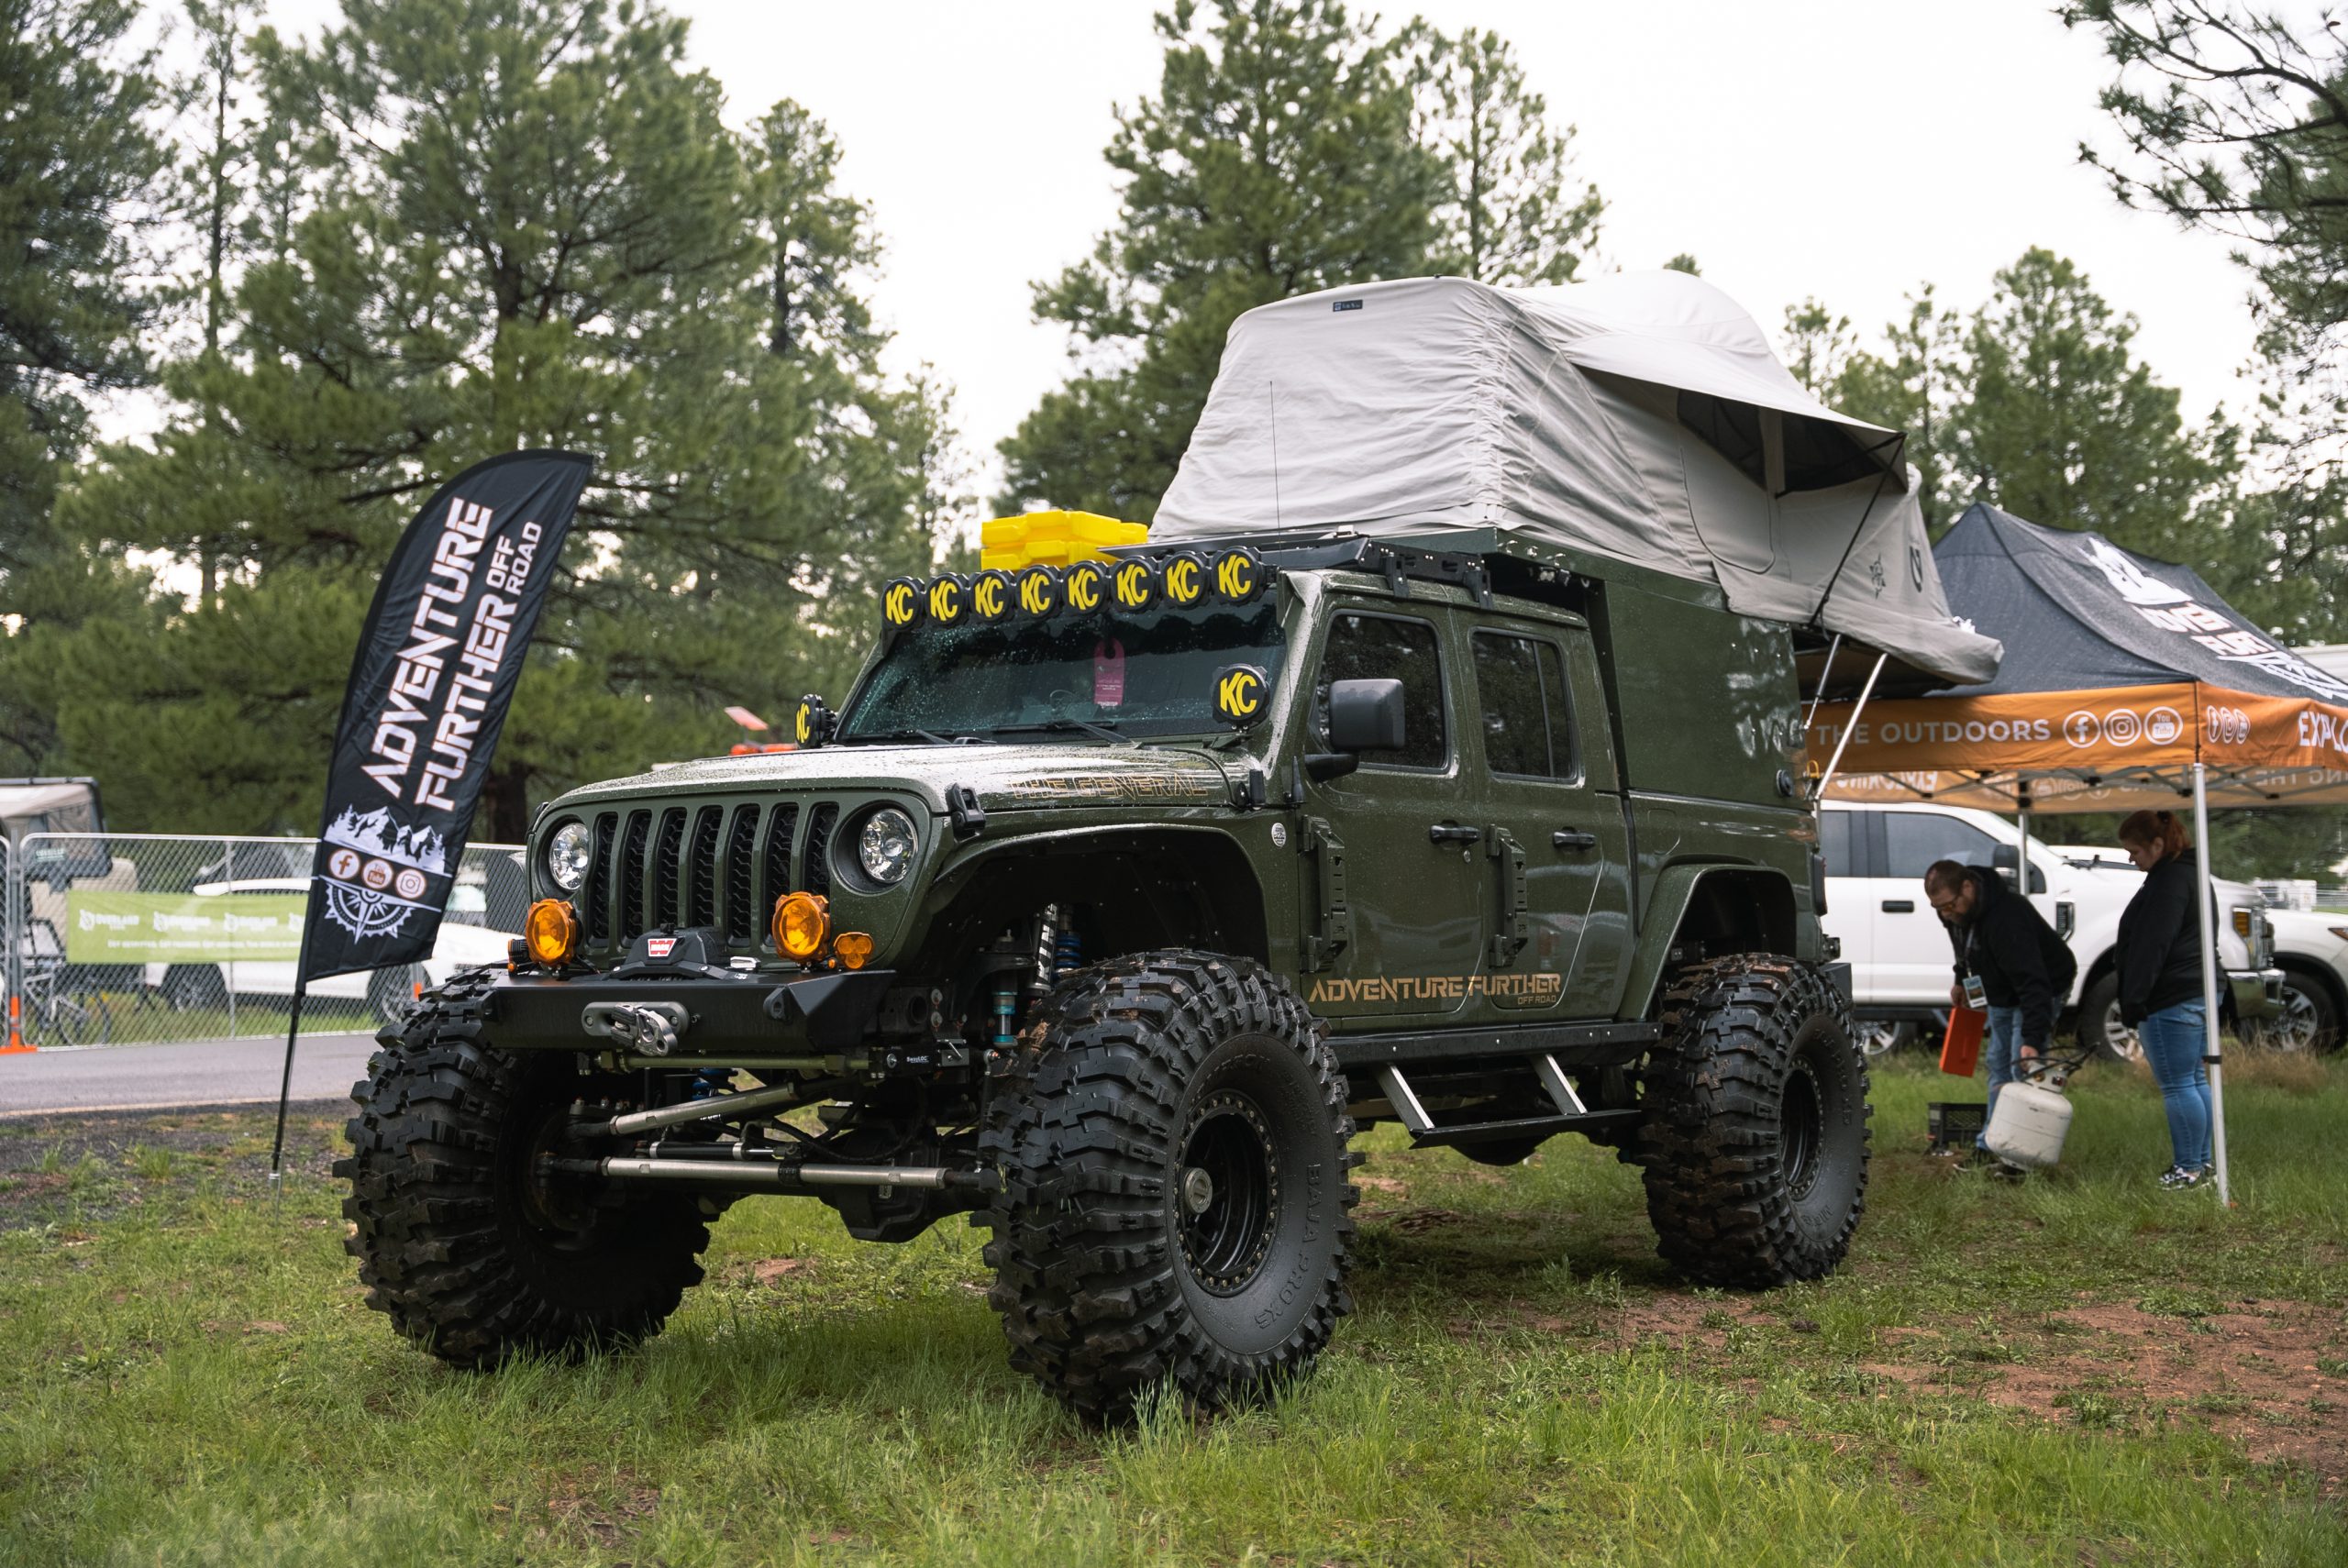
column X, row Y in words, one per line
column 1642, row 418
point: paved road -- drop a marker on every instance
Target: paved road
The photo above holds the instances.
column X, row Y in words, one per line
column 184, row 1073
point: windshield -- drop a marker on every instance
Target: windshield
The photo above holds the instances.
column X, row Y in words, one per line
column 1137, row 675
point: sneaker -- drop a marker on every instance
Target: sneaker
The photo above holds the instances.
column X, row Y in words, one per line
column 2177, row 1179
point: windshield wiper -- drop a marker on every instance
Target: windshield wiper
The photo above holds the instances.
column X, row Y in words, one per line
column 911, row 733
column 1067, row 726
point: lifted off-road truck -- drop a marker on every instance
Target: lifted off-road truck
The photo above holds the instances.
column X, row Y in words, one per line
column 1128, row 883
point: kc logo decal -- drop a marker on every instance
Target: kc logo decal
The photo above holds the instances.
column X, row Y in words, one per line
column 947, row 598
column 1086, row 584
column 991, row 595
column 1240, row 693
column 805, row 727
column 1136, row 586
column 901, row 601
column 1039, row 591
column 1239, row 576
column 1186, row 579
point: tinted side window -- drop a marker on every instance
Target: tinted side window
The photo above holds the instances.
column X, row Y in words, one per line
column 1913, row 840
column 1835, row 838
column 1377, row 647
column 1508, row 689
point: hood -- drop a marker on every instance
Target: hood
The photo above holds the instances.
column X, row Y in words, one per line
column 1006, row 778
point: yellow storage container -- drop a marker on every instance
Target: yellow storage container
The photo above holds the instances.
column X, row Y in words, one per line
column 1052, row 538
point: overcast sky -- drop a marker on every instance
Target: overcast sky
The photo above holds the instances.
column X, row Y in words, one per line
column 1846, row 151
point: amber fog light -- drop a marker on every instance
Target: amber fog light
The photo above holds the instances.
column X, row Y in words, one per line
column 551, row 931
column 853, row 949
column 802, row 921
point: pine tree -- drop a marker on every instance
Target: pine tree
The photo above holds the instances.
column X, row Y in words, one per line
column 494, row 224
column 1276, row 159
column 80, row 178
column 1514, row 212
column 1913, row 386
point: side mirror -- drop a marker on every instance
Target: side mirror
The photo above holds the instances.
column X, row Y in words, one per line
column 2006, row 860
column 1366, row 715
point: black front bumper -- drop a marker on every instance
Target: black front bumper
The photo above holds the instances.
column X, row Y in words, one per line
column 757, row 1015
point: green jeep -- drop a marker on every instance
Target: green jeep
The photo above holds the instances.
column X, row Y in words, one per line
column 1111, row 903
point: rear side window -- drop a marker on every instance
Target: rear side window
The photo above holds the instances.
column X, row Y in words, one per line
column 1835, row 839
column 1913, row 840
column 1527, row 718
column 1381, row 647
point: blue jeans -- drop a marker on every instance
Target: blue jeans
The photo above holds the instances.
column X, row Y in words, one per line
column 2000, row 1049
column 2174, row 1040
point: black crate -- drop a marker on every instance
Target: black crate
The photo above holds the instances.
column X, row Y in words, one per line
column 1954, row 1123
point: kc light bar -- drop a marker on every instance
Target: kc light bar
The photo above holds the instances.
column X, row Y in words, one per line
column 1183, row 580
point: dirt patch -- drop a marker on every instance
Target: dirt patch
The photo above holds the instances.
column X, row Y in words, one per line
column 2265, row 1374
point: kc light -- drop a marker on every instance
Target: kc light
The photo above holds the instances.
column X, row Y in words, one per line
column 551, row 931
column 885, row 848
column 950, row 596
column 853, row 949
column 1087, row 586
column 1134, row 585
column 802, row 921
column 569, row 854
column 1239, row 576
column 1037, row 590
column 991, row 595
column 1185, row 577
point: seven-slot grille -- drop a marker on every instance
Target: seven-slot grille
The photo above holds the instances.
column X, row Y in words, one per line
column 715, row 864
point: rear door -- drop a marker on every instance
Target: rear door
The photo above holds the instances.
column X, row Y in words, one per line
column 1557, row 926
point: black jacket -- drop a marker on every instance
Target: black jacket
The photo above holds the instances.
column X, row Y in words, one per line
column 2019, row 959
column 2160, row 942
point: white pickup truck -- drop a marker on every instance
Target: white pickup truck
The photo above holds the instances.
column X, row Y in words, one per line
column 1898, row 951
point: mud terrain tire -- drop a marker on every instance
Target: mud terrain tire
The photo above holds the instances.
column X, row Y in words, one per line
column 1755, row 1143
column 468, row 1254
column 1171, row 1133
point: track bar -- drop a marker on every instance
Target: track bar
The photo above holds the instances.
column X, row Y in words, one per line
column 707, row 1109
column 777, row 1175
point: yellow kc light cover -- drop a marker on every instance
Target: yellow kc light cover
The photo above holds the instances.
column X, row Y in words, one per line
column 1134, row 584
column 1242, row 693
column 1239, row 576
column 1185, row 575
column 1086, row 586
column 1037, row 590
column 950, row 596
column 991, row 595
column 904, row 601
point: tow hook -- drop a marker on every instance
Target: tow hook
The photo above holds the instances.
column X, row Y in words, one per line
column 650, row 1029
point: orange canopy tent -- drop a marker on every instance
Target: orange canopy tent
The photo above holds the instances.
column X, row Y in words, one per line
column 2126, row 682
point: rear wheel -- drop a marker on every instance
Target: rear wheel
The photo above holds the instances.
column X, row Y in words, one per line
column 465, row 1242
column 1171, row 1134
column 2100, row 1032
column 1755, row 1143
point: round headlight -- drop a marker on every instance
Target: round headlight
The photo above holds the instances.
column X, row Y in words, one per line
column 885, row 848
column 569, row 854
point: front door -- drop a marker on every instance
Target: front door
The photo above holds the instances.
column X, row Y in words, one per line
column 1555, row 849
column 1393, row 845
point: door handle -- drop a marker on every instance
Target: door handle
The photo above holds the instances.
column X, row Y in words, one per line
column 1568, row 838
column 1452, row 833
column 1899, row 906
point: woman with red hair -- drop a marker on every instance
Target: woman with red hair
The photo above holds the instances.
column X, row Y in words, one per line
column 2160, row 985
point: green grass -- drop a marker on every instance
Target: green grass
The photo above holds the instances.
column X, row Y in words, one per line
column 2076, row 1369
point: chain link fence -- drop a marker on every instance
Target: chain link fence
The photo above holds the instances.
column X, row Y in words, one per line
column 124, row 938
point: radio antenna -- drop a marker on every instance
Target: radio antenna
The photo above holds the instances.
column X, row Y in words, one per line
column 1272, row 409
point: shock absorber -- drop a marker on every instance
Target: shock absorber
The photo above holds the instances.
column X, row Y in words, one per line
column 1068, row 954
column 1039, row 973
column 1006, row 1010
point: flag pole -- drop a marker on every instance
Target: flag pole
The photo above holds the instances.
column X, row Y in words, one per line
column 285, row 1079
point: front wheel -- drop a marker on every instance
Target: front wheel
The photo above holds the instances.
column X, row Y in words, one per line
column 1170, row 1132
column 463, row 1240
column 2307, row 1023
column 1755, row 1143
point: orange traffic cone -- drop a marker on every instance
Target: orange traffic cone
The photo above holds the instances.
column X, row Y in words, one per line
column 15, row 1031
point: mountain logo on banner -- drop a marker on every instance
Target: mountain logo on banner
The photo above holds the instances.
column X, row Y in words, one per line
column 375, row 833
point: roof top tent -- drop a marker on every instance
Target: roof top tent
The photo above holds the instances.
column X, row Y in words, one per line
column 2131, row 684
column 1640, row 419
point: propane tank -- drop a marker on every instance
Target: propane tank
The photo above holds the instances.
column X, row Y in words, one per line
column 2029, row 1123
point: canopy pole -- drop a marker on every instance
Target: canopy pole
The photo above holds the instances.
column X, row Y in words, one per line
column 1848, row 727
column 2211, row 1056
column 2021, row 816
column 1825, row 674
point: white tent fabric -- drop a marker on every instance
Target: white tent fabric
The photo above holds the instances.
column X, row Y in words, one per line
column 1643, row 418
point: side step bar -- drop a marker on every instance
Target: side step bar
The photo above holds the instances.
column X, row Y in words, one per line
column 1572, row 1115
